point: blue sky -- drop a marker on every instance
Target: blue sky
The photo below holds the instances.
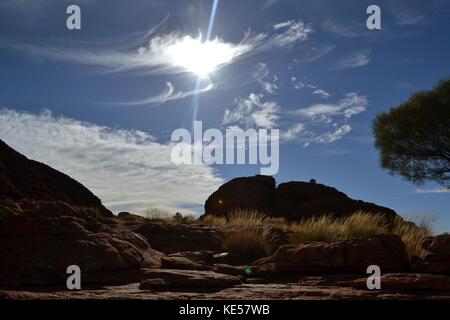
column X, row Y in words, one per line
column 100, row 103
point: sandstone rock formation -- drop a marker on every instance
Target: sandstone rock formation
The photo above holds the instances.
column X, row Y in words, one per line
column 157, row 279
column 49, row 221
column 21, row 178
column 347, row 256
column 436, row 255
column 171, row 238
column 291, row 200
column 37, row 246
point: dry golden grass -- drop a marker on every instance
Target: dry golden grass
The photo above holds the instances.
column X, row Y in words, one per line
column 323, row 228
column 242, row 220
column 214, row 221
column 164, row 216
column 246, row 246
column 256, row 228
column 414, row 233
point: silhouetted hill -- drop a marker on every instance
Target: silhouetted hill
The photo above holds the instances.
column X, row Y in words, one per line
column 292, row 200
column 22, row 178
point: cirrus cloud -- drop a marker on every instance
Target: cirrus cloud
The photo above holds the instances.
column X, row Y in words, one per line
column 127, row 169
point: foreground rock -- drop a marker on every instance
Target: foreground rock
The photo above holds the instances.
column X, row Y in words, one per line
column 348, row 256
column 292, row 200
column 21, row 178
column 158, row 279
column 174, row 237
column 409, row 282
column 36, row 247
column 436, row 256
column 325, row 287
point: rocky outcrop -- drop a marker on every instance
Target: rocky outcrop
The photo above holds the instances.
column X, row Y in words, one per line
column 157, row 279
column 291, row 200
column 435, row 257
column 39, row 244
column 21, row 178
column 174, row 237
column 348, row 256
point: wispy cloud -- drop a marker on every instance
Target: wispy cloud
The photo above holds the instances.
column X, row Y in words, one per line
column 127, row 169
column 268, row 83
column 293, row 31
column 350, row 105
column 154, row 53
column 170, row 94
column 253, row 111
column 346, row 29
column 408, row 18
column 358, row 59
column 324, row 123
column 435, row 190
column 314, row 53
column 321, row 93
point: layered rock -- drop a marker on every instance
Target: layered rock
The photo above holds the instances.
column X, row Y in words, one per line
column 172, row 237
column 37, row 246
column 22, row 178
column 347, row 256
column 157, row 279
column 435, row 257
column 49, row 221
column 291, row 200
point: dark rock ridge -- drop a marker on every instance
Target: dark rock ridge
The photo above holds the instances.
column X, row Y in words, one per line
column 22, row 178
column 292, row 200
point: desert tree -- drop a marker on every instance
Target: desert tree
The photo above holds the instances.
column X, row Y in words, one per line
column 414, row 138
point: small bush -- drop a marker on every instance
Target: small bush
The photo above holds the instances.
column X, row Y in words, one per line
column 158, row 215
column 163, row 215
column 246, row 246
column 179, row 218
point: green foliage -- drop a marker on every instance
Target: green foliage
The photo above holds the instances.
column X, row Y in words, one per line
column 414, row 138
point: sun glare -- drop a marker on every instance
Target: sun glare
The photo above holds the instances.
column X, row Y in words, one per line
column 200, row 57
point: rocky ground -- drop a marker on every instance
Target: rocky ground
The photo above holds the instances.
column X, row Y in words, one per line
column 307, row 288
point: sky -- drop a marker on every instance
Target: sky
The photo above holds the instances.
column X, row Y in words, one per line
column 100, row 103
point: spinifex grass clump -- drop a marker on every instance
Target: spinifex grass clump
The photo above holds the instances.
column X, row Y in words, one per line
column 247, row 234
column 246, row 246
column 413, row 234
column 259, row 228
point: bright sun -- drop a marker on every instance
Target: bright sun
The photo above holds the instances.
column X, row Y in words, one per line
column 200, row 57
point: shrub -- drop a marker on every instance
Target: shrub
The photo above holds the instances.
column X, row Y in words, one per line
column 413, row 234
column 158, row 215
column 251, row 220
column 246, row 246
column 179, row 218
